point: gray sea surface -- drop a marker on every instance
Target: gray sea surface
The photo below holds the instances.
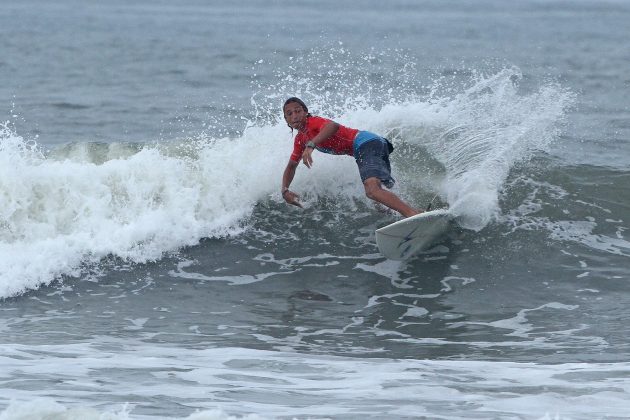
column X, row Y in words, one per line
column 150, row 270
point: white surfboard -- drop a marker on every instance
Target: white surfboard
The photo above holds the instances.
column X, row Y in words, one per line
column 404, row 238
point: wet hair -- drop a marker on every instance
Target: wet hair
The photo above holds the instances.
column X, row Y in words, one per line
column 294, row 99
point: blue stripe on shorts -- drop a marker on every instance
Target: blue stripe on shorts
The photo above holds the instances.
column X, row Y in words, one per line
column 363, row 137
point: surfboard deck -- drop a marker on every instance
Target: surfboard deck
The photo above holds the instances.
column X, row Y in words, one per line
column 404, row 238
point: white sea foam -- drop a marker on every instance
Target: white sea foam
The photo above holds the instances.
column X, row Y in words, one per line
column 530, row 216
column 231, row 280
column 580, row 231
column 49, row 409
column 234, row 383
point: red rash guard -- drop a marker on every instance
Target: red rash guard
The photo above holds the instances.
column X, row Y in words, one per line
column 339, row 144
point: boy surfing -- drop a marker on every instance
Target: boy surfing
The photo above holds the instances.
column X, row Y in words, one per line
column 370, row 151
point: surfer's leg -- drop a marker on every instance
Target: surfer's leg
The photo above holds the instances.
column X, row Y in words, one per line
column 373, row 161
column 375, row 191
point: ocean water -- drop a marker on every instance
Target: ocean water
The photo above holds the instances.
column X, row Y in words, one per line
column 149, row 268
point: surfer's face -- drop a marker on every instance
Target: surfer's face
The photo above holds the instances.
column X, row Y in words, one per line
column 295, row 115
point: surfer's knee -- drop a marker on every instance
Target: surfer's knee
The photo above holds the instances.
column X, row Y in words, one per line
column 372, row 187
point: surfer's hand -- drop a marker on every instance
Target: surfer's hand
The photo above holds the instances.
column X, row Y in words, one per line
column 307, row 157
column 291, row 198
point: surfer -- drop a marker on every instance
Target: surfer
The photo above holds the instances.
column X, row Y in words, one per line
column 370, row 151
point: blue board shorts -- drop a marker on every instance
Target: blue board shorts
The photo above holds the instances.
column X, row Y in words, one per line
column 371, row 153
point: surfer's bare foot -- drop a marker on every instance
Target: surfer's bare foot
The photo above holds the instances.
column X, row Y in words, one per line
column 413, row 213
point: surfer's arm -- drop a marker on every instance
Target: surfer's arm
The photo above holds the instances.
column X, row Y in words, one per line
column 287, row 177
column 326, row 132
